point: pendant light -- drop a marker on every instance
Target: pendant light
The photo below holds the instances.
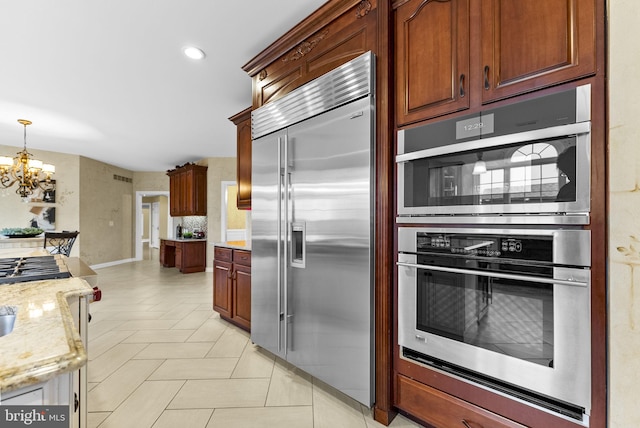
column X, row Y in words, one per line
column 480, row 167
column 28, row 173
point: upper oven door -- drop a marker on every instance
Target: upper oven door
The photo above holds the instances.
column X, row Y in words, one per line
column 481, row 168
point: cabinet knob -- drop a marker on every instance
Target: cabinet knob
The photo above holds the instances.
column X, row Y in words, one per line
column 462, row 86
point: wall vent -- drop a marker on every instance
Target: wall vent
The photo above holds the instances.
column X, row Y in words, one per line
column 121, row 178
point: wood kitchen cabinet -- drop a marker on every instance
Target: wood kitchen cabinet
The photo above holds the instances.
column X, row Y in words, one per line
column 340, row 32
column 456, row 54
column 242, row 121
column 432, row 58
column 188, row 190
column 232, row 286
column 443, row 410
column 167, row 253
column 187, row 255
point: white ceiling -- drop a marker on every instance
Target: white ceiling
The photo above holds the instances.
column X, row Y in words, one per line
column 108, row 79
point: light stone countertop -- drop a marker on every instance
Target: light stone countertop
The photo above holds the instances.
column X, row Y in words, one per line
column 44, row 342
column 236, row 245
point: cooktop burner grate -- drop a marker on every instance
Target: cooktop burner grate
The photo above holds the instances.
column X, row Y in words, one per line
column 24, row 269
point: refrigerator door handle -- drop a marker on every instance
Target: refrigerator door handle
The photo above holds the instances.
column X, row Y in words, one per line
column 284, row 261
column 279, row 245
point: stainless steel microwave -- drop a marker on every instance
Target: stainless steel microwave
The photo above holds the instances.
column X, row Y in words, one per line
column 526, row 163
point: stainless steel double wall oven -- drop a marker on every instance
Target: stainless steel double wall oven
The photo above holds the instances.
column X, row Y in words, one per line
column 494, row 279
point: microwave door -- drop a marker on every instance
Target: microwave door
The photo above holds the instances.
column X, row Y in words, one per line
column 520, row 179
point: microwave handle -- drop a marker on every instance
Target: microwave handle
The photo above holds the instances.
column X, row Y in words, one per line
column 487, row 142
column 574, row 283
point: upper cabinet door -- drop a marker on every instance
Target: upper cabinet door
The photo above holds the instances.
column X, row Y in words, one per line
column 531, row 44
column 432, row 58
column 188, row 191
column 242, row 121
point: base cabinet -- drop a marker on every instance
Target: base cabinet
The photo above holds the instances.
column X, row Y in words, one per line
column 443, row 410
column 54, row 392
column 187, row 256
column 167, row 253
column 232, row 286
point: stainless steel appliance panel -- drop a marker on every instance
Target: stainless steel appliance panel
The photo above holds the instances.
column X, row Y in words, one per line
column 312, row 222
column 268, row 229
column 330, row 280
column 526, row 163
column 564, row 326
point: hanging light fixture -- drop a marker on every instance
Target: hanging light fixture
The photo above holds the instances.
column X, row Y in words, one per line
column 480, row 167
column 29, row 174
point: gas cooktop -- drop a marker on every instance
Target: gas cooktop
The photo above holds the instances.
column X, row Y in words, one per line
column 24, row 269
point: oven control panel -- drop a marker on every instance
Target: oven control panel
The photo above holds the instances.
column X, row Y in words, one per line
column 531, row 248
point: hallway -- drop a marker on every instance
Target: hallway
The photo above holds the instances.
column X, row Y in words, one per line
column 160, row 357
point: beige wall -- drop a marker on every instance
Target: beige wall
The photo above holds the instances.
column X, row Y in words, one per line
column 220, row 169
column 151, row 181
column 16, row 213
column 236, row 219
column 106, row 212
column 624, row 228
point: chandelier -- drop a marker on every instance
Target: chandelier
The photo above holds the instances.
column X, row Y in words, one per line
column 29, row 174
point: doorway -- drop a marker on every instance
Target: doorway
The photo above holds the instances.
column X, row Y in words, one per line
column 159, row 224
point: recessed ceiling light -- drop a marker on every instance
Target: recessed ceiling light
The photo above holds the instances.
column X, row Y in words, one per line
column 193, row 52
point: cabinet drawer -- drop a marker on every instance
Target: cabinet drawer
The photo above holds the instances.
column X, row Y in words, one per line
column 223, row 254
column 443, row 410
column 242, row 257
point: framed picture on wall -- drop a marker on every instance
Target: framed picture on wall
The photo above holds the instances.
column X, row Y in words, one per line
column 43, row 218
column 48, row 196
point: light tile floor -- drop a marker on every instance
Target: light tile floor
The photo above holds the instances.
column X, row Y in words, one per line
column 160, row 357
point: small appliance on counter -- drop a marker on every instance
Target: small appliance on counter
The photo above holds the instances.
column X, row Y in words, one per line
column 179, row 231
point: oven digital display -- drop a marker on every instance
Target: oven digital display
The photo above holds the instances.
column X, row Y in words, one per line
column 474, row 126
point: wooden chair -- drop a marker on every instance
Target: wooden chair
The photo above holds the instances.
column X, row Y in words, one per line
column 59, row 242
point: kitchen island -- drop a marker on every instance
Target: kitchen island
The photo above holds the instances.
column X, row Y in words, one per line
column 45, row 341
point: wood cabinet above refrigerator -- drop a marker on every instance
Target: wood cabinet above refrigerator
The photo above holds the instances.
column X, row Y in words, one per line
column 188, row 190
column 338, row 32
column 242, row 121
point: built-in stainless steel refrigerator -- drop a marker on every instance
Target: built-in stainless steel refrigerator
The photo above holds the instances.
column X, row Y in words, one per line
column 312, row 228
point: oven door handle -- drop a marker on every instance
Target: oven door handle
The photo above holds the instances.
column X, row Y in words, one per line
column 571, row 282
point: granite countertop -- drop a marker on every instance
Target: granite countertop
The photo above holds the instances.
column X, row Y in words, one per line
column 44, row 342
column 236, row 245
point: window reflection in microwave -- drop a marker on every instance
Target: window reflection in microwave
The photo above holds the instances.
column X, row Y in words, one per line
column 517, row 174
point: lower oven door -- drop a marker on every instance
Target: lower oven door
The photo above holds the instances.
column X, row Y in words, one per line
column 522, row 334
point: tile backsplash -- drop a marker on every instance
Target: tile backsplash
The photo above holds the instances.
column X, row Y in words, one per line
column 192, row 223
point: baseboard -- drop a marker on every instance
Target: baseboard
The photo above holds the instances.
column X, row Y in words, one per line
column 114, row 263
